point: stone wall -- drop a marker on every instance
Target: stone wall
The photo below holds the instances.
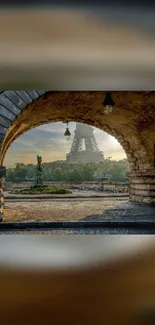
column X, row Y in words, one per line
column 142, row 187
column 84, row 186
column 2, row 175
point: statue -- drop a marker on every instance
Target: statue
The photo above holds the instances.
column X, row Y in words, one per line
column 39, row 180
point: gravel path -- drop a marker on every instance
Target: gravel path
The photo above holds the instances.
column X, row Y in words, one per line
column 88, row 231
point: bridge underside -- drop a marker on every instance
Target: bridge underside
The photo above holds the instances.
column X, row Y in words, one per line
column 132, row 123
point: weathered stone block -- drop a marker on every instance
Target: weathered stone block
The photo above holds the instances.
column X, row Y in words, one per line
column 33, row 94
column 142, row 186
column 3, row 130
column 6, row 113
column 142, row 192
column 142, row 180
column 15, row 98
column 41, row 92
column 24, row 95
column 9, row 104
column 2, row 136
column 4, row 121
column 142, row 199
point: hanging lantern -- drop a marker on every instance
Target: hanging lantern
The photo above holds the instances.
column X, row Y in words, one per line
column 108, row 103
column 67, row 133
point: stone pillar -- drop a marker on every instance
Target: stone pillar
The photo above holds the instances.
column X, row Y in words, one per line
column 142, row 186
column 2, row 175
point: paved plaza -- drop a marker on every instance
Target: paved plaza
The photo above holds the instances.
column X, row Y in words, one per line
column 78, row 209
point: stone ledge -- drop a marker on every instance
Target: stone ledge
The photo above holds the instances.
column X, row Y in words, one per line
column 142, row 192
column 142, row 180
column 64, row 196
column 141, row 173
column 149, row 187
column 142, row 199
column 77, row 224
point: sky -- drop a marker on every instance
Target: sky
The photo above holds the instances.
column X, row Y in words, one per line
column 48, row 141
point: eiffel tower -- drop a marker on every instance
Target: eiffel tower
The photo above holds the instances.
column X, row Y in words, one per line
column 84, row 147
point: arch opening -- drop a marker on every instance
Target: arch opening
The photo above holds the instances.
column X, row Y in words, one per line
column 84, row 177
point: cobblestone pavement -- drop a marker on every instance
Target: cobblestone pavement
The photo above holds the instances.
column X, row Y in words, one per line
column 57, row 209
column 110, row 209
column 126, row 211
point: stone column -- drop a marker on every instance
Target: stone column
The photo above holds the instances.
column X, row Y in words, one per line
column 2, row 175
column 142, row 186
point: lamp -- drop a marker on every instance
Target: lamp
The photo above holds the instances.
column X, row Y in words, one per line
column 108, row 103
column 67, row 133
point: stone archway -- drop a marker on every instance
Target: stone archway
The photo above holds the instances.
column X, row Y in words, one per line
column 132, row 123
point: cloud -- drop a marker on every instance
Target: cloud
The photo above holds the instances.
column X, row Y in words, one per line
column 48, row 140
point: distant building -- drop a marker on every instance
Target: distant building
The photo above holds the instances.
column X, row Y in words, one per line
column 84, row 147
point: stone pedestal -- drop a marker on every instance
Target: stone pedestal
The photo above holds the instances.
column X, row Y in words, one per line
column 2, row 175
column 142, row 186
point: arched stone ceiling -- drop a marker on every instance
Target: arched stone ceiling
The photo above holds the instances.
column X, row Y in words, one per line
column 132, row 122
column 11, row 105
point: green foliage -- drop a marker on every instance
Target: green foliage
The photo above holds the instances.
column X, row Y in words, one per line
column 42, row 190
column 37, row 186
column 63, row 171
column 20, row 172
column 115, row 170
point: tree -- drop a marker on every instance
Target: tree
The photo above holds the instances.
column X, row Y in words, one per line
column 58, row 174
column 63, row 171
column 20, row 171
